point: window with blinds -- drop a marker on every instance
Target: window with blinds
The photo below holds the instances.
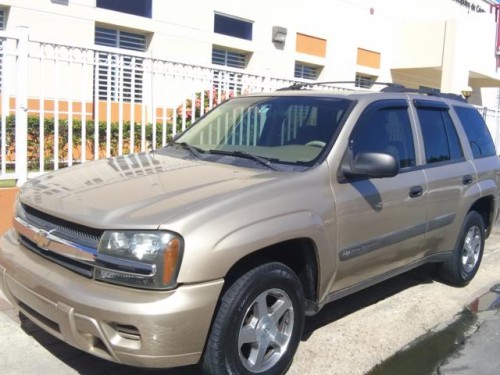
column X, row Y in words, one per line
column 229, row 58
column 2, row 19
column 120, row 76
column 306, row 71
column 364, row 81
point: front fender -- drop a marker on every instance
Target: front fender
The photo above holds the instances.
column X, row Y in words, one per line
column 215, row 259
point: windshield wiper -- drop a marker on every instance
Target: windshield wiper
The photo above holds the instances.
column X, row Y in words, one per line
column 194, row 150
column 241, row 154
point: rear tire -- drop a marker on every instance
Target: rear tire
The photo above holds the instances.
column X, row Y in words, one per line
column 258, row 325
column 461, row 268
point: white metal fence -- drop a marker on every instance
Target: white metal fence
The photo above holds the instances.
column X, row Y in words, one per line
column 62, row 104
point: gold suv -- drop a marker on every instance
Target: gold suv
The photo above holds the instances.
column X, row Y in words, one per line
column 213, row 249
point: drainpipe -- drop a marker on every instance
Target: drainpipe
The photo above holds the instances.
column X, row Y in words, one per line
column 496, row 8
column 497, row 134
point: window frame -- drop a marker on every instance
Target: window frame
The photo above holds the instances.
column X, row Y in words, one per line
column 3, row 12
column 301, row 66
column 230, row 56
column 409, row 133
column 127, row 77
column 117, row 6
column 468, row 131
column 449, row 130
column 233, row 26
column 360, row 78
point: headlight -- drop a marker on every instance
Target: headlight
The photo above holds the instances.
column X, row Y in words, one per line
column 142, row 259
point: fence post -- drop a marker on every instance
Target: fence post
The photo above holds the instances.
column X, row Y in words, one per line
column 22, row 106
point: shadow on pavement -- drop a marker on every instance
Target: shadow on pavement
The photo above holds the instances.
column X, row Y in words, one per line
column 369, row 296
column 87, row 364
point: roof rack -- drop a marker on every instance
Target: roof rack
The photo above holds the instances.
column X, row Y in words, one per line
column 303, row 85
column 389, row 87
column 429, row 92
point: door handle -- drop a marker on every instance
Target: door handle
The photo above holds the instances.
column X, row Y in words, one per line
column 416, row 191
column 467, row 179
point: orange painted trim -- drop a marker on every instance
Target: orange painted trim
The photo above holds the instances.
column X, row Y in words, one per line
column 310, row 45
column 126, row 109
column 367, row 58
column 35, row 107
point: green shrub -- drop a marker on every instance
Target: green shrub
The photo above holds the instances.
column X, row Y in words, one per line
column 35, row 135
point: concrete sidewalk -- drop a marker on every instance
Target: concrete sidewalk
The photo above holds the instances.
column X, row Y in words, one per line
column 350, row 336
column 21, row 354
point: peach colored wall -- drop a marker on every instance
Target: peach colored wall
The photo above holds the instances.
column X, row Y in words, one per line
column 7, row 197
column 34, row 106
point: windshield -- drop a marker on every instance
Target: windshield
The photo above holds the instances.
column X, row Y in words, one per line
column 280, row 129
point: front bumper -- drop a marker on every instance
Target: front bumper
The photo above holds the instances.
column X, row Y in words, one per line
column 129, row 326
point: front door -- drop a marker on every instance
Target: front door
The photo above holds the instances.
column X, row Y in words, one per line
column 381, row 222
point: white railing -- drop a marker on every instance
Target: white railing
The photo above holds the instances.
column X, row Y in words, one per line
column 62, row 104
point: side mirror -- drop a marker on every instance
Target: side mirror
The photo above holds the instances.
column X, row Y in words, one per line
column 370, row 165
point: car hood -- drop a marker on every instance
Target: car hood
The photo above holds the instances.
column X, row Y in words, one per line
column 138, row 191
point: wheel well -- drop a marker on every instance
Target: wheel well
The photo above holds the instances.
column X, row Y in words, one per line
column 298, row 254
column 484, row 207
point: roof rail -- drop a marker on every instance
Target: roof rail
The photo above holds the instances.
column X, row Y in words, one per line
column 303, row 85
column 389, row 87
column 429, row 92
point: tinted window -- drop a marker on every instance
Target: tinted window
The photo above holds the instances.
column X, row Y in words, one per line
column 232, row 27
column 477, row 132
column 386, row 130
column 441, row 141
column 137, row 7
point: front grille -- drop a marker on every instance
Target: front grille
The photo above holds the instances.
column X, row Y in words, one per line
column 69, row 231
column 82, row 268
column 79, row 239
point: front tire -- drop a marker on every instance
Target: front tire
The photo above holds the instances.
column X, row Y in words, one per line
column 258, row 325
column 461, row 268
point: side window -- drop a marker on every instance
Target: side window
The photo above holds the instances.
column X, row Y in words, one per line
column 441, row 141
column 477, row 132
column 385, row 129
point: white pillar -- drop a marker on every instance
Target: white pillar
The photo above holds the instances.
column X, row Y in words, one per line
column 455, row 63
column 22, row 106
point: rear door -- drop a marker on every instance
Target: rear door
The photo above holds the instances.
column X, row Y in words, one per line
column 452, row 178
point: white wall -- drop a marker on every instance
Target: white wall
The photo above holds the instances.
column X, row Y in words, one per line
column 408, row 34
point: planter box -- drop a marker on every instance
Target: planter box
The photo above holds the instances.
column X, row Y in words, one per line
column 7, row 198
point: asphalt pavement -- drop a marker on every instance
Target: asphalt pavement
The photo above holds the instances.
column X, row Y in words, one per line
column 350, row 336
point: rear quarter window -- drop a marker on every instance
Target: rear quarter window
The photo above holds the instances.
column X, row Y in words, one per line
column 477, row 132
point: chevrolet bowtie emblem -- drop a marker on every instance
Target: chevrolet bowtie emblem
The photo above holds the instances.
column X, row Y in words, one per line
column 42, row 239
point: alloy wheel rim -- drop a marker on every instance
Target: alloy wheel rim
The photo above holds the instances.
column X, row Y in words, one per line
column 266, row 330
column 471, row 248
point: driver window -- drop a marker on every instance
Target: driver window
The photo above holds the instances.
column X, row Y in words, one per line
column 385, row 130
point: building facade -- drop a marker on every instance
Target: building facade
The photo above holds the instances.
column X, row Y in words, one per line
column 153, row 61
column 441, row 44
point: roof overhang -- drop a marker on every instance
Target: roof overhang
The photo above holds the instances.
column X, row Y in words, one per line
column 431, row 77
column 482, row 80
